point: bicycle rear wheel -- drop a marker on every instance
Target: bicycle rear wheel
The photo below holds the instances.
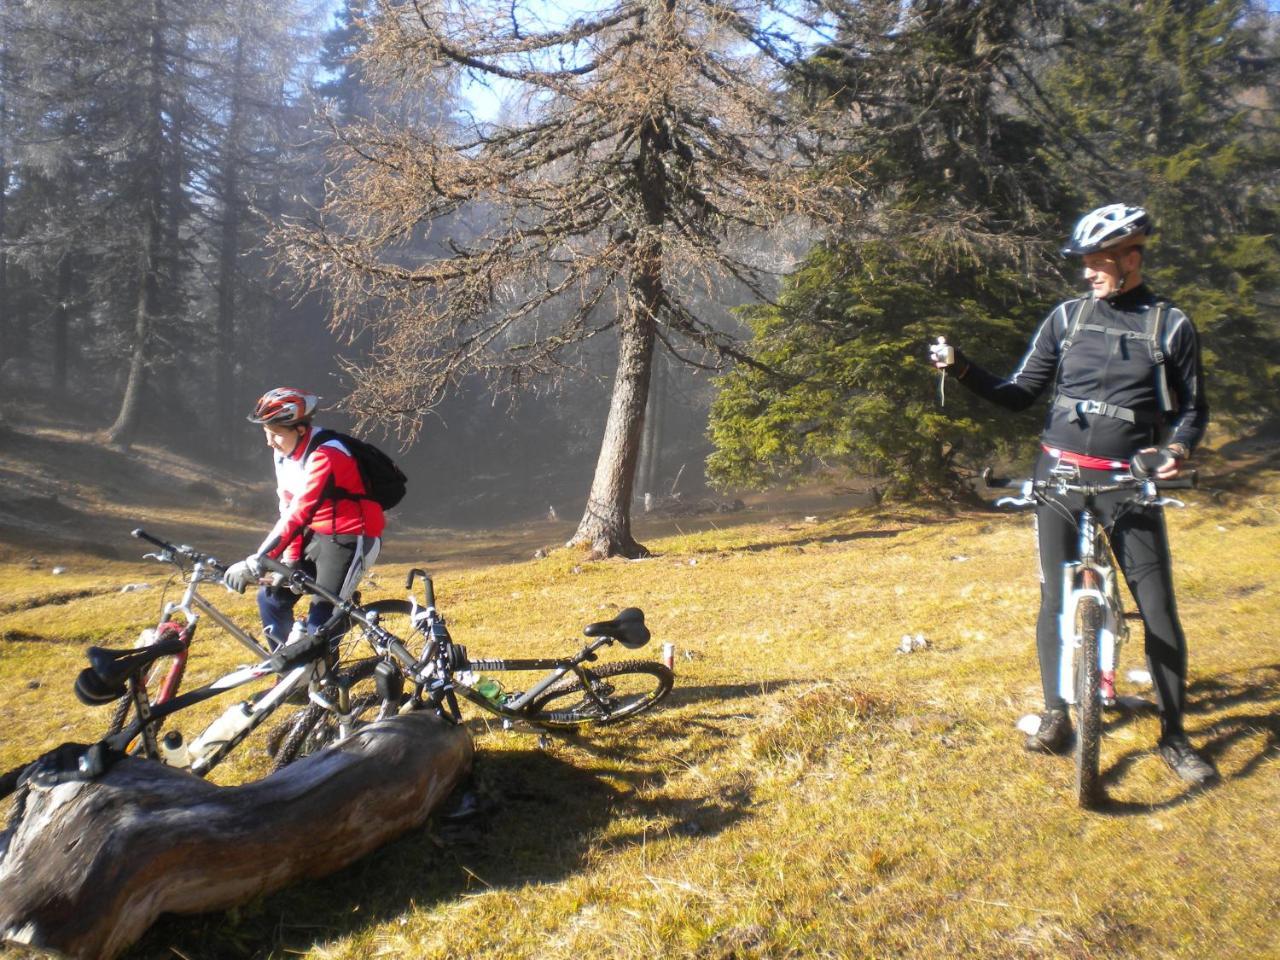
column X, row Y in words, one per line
column 1088, row 704
column 618, row 690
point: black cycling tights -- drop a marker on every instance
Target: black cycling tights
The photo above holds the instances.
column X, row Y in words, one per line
column 1141, row 548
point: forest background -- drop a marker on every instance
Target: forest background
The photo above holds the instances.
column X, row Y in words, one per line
column 190, row 214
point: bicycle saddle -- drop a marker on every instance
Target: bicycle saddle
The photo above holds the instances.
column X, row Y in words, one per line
column 109, row 671
column 627, row 628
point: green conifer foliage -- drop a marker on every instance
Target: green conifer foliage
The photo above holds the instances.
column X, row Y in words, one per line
column 950, row 240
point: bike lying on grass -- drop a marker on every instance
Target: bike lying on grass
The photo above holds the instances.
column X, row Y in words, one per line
column 1091, row 624
column 574, row 691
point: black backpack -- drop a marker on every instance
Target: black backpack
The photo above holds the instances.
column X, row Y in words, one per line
column 383, row 480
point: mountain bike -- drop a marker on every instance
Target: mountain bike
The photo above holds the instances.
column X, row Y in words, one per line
column 165, row 675
column 144, row 682
column 573, row 692
column 1092, row 623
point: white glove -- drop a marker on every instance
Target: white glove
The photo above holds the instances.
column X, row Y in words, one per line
column 240, row 575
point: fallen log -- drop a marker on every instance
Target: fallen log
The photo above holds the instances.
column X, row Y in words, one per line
column 87, row 867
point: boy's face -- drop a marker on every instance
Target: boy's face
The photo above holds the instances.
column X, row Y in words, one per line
column 283, row 440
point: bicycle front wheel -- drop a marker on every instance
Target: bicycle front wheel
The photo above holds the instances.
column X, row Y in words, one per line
column 616, row 691
column 1088, row 703
column 314, row 727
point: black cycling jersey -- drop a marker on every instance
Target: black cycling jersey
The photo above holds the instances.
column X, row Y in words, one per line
column 1110, row 366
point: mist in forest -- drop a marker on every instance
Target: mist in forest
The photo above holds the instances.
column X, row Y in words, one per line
column 146, row 159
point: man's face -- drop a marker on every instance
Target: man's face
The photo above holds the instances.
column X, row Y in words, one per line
column 283, row 440
column 1106, row 272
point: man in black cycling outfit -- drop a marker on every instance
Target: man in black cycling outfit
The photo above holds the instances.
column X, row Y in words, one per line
column 1127, row 379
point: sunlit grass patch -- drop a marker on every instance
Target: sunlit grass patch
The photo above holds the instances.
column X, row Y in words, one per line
column 807, row 790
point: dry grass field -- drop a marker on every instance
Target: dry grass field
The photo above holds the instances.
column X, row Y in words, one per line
column 807, row 790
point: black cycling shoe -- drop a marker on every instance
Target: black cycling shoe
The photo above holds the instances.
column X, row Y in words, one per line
column 1187, row 762
column 1054, row 735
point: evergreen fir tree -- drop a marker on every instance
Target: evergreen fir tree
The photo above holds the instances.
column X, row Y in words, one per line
column 950, row 241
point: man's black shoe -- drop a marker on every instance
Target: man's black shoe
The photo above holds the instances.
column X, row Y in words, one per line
column 1184, row 760
column 1054, row 734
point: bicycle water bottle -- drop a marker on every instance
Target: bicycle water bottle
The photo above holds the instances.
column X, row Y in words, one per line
column 488, row 688
column 173, row 751
column 235, row 720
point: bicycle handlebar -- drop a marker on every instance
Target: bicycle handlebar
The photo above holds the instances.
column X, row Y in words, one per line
column 182, row 550
column 1122, row 482
column 341, row 606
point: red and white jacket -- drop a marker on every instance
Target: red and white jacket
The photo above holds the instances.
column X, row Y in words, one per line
column 306, row 501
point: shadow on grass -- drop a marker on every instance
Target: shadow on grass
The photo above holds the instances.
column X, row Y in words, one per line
column 681, row 696
column 1209, row 695
column 809, row 541
column 542, row 820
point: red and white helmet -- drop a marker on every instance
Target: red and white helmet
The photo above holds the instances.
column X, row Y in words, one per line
column 284, row 407
column 1108, row 228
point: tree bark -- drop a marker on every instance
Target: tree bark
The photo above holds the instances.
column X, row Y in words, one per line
column 88, row 867
column 605, row 527
column 651, row 454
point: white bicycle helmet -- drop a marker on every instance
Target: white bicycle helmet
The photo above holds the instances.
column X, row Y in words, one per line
column 1106, row 228
column 284, row 407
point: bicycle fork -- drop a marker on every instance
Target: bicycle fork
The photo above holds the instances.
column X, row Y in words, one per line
column 1087, row 579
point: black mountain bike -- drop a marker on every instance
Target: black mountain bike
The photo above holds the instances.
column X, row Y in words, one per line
column 573, row 692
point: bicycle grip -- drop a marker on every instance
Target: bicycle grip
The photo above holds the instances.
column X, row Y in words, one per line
column 429, row 587
column 141, row 534
column 275, row 566
column 1187, row 481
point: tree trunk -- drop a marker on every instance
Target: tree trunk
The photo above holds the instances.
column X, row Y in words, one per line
column 126, row 424
column 61, row 326
column 651, row 457
column 228, row 254
column 5, row 334
column 606, row 523
column 88, row 867
column 122, row 431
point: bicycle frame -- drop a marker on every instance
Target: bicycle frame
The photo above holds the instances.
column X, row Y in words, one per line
column 1093, row 576
column 514, row 709
column 148, row 716
column 192, row 605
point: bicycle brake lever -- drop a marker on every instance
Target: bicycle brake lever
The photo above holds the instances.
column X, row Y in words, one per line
column 1168, row 502
column 1014, row 502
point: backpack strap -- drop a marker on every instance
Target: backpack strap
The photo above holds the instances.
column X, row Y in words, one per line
column 1155, row 343
column 1082, row 311
column 332, row 490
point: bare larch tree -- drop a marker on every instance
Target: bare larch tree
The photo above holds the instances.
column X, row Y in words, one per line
column 643, row 144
